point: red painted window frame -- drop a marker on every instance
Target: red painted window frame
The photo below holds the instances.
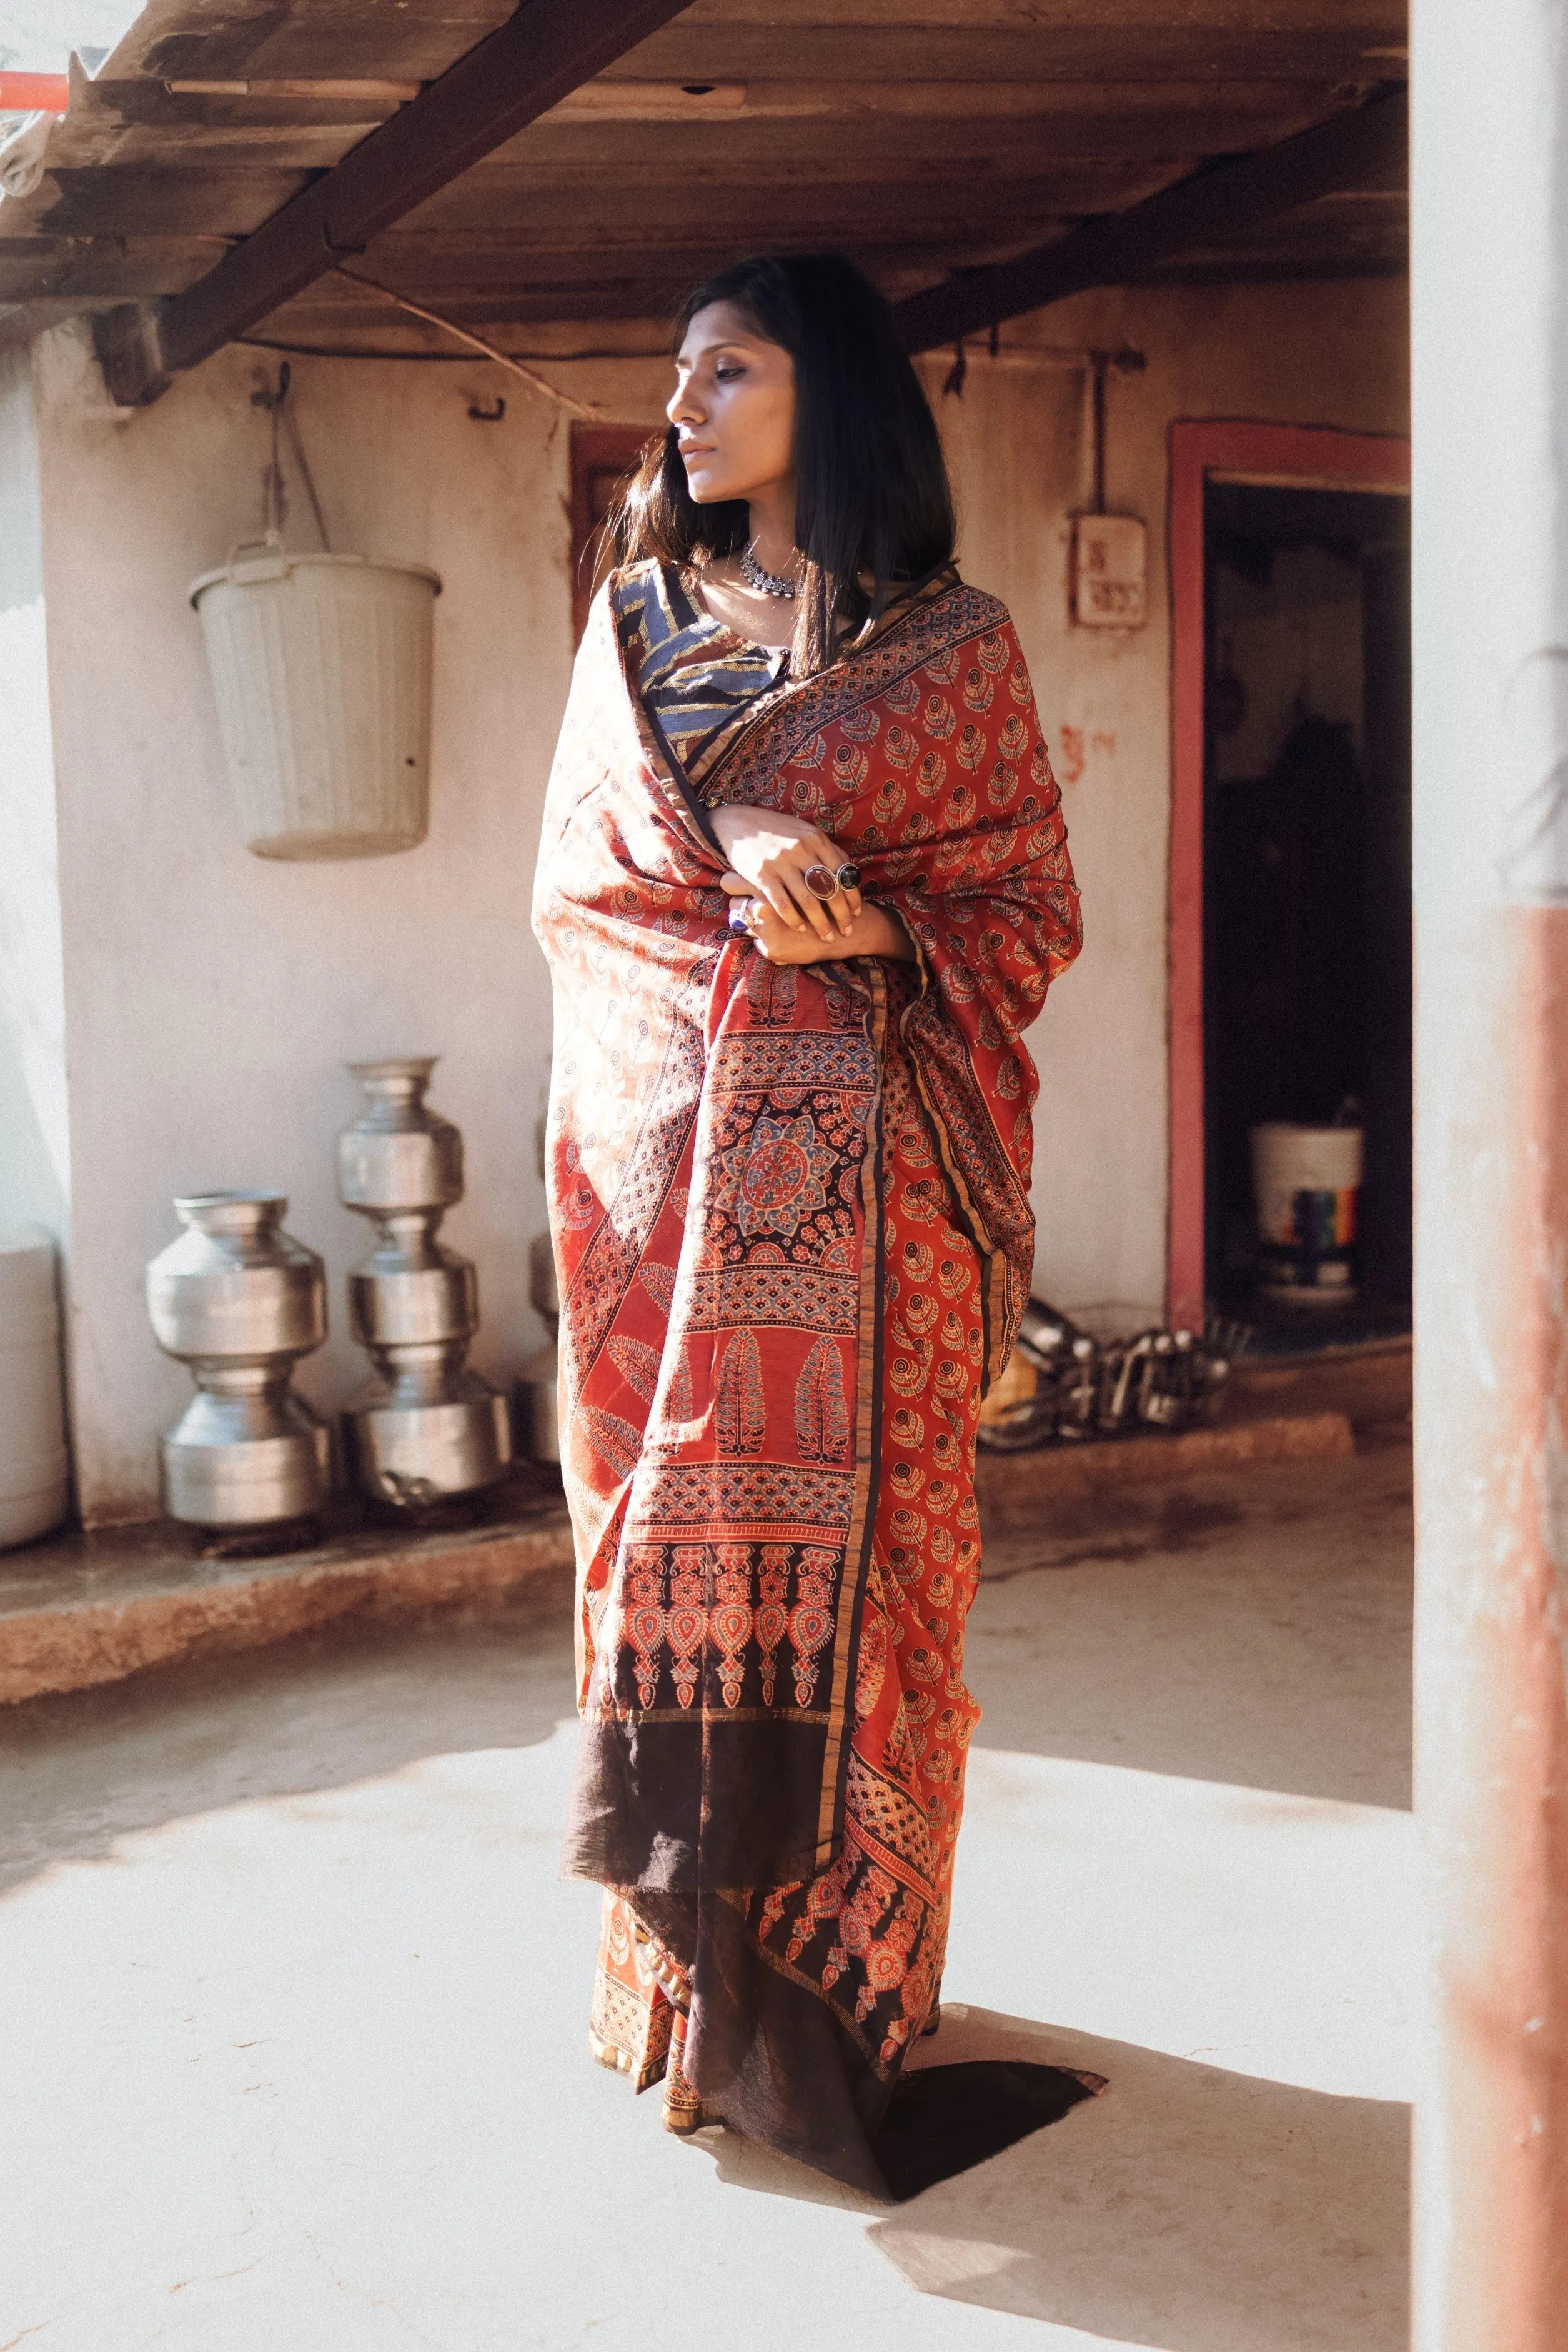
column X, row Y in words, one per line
column 1303, row 456
column 595, row 449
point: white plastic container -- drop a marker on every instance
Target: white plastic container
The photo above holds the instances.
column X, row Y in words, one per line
column 34, row 1481
column 1307, row 1184
column 322, row 670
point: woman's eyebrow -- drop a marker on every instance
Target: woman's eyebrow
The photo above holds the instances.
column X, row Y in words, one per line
column 730, row 343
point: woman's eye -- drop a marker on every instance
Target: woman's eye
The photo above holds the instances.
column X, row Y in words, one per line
column 728, row 375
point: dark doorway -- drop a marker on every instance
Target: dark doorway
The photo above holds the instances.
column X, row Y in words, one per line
column 1307, row 874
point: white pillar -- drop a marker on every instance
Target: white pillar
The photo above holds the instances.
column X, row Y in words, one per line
column 1490, row 412
column 35, row 1151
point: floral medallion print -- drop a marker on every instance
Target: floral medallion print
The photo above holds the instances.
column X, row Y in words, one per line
column 779, row 1176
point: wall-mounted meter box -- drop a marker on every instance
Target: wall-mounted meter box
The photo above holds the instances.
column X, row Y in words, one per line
column 1110, row 574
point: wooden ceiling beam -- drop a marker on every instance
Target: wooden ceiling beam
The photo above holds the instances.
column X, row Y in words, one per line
column 611, row 100
column 1249, row 46
column 487, row 214
column 740, row 150
column 1000, row 219
column 691, row 248
column 519, row 71
column 1352, row 150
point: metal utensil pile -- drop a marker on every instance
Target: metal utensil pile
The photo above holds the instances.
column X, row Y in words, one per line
column 1099, row 1386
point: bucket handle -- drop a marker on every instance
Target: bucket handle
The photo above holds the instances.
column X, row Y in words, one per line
column 271, row 565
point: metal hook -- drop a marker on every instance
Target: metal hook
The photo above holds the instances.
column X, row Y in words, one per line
column 483, row 416
column 263, row 398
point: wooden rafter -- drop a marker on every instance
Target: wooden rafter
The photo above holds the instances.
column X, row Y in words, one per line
column 527, row 66
column 932, row 144
column 1353, row 150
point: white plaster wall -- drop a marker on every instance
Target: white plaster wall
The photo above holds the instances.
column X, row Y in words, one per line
column 35, row 1151
column 212, row 998
column 215, row 996
column 1018, row 441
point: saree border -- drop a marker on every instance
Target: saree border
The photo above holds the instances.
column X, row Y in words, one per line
column 869, row 1371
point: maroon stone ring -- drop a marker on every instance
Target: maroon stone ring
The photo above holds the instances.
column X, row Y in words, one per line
column 821, row 881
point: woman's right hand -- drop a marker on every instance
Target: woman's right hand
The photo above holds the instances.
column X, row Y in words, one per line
column 770, row 855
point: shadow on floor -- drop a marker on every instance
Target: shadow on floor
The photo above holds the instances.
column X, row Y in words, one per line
column 323, row 1710
column 1253, row 1631
column 1188, row 2208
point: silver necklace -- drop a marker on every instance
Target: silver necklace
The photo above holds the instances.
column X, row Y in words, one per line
column 766, row 583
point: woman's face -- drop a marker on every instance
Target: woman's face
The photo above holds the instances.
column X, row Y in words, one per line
column 734, row 409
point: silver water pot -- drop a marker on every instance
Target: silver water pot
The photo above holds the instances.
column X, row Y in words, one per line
column 239, row 1302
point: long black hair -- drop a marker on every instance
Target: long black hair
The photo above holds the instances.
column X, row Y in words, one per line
column 873, row 503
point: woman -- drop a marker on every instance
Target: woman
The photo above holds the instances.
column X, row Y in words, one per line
column 803, row 883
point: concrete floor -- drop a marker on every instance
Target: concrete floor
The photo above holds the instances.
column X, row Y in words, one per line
column 292, row 2047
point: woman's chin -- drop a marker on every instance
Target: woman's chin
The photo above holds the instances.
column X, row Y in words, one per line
column 704, row 490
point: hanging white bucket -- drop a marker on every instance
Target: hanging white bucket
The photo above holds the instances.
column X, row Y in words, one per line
column 322, row 669
column 1307, row 1180
column 34, row 1485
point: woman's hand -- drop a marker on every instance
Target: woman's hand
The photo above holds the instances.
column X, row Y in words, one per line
column 770, row 856
column 873, row 931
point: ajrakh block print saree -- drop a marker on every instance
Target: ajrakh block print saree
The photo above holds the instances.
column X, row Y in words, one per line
column 794, row 1235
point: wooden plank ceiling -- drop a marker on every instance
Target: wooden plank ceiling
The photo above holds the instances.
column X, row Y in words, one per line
column 925, row 138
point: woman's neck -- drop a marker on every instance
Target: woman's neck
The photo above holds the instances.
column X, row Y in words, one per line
column 771, row 525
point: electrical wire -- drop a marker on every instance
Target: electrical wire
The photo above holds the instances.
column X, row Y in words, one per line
column 587, row 409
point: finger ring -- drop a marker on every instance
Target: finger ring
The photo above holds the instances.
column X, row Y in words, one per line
column 739, row 918
column 848, row 874
column 821, row 881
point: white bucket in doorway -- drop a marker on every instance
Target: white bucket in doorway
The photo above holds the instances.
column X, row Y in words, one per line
column 1307, row 1183
column 34, row 1485
column 322, row 670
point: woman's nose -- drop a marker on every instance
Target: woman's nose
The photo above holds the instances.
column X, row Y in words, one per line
column 685, row 408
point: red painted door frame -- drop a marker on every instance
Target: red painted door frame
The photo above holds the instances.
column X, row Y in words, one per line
column 1304, row 458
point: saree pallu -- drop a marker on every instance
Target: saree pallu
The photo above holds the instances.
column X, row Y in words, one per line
column 793, row 1237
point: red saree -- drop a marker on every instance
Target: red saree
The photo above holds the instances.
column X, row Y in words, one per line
column 794, row 1235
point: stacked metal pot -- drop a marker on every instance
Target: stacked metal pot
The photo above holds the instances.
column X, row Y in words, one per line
column 240, row 1302
column 428, row 1426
